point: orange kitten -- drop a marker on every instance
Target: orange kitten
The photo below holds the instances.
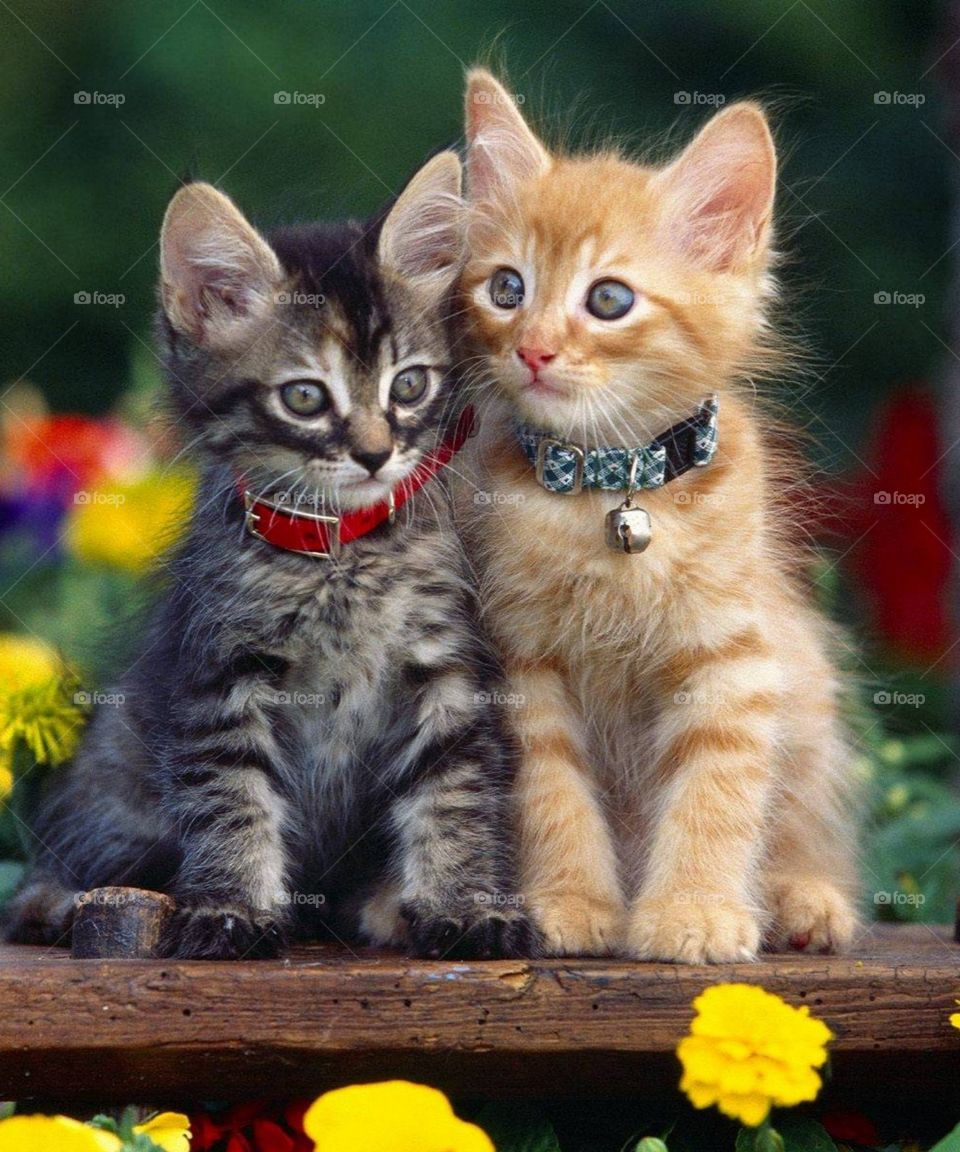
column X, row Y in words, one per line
column 685, row 787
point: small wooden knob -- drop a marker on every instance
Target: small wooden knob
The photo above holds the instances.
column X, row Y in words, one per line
column 119, row 923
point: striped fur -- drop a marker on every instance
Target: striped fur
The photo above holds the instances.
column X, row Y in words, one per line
column 685, row 787
column 304, row 746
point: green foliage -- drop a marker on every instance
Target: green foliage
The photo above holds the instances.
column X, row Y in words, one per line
column 950, row 1142
column 518, row 1128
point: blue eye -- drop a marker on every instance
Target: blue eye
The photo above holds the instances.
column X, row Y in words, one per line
column 609, row 299
column 305, row 397
column 506, row 288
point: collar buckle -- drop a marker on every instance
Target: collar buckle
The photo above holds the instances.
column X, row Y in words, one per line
column 579, row 462
column 252, row 519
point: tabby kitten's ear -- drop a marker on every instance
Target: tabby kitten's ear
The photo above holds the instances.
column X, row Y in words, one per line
column 717, row 197
column 421, row 240
column 502, row 149
column 217, row 273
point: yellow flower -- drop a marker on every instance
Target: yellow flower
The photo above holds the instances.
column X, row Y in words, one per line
column 169, row 1131
column 390, row 1117
column 53, row 1134
column 35, row 705
column 955, row 1018
column 748, row 1050
column 131, row 524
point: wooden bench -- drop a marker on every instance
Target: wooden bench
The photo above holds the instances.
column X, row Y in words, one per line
column 136, row 1030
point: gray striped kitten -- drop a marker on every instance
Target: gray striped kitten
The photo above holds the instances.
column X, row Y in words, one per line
column 305, row 744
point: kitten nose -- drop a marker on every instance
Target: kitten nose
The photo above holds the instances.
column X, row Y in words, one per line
column 535, row 356
column 372, row 461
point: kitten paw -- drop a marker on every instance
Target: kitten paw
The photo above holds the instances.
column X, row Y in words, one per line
column 574, row 925
column 811, row 915
column 207, row 932
column 489, row 935
column 714, row 932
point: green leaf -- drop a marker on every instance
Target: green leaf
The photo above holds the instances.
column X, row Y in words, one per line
column 518, row 1128
column 651, row 1144
column 803, row 1135
column 950, row 1142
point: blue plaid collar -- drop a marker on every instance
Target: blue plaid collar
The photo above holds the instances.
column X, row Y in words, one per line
column 568, row 468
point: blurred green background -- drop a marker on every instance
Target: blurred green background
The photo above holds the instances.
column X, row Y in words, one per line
column 865, row 185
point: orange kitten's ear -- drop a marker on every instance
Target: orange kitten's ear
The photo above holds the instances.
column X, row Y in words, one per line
column 502, row 149
column 717, row 197
column 217, row 272
column 422, row 237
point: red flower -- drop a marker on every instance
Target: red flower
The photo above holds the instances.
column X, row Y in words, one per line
column 851, row 1126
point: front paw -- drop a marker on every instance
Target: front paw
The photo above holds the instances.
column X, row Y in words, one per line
column 576, row 925
column 221, row 932
column 710, row 930
column 487, row 934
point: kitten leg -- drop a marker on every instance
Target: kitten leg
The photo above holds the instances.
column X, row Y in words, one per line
column 224, row 798
column 715, row 757
column 811, row 876
column 454, row 859
column 568, row 863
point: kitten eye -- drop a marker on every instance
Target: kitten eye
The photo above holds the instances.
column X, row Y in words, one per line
column 506, row 288
column 409, row 385
column 305, row 397
column 609, row 299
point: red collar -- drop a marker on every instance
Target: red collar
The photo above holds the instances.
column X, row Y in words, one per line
column 311, row 534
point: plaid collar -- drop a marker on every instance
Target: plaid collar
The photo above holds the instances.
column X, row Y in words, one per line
column 568, row 468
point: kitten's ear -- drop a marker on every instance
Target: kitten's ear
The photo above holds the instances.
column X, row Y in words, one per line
column 217, row 272
column 421, row 239
column 717, row 197
column 502, row 149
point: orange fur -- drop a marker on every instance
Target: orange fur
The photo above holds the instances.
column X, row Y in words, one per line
column 685, row 785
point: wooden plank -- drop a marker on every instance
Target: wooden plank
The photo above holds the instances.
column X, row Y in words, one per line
column 325, row 1015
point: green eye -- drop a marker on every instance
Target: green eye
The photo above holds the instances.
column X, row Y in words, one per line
column 609, row 299
column 409, row 385
column 506, row 288
column 305, row 397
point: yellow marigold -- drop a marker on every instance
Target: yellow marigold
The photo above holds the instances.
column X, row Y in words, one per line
column 955, row 1018
column 748, row 1050
column 35, row 705
column 128, row 525
column 53, row 1134
column 169, row 1131
column 394, row 1116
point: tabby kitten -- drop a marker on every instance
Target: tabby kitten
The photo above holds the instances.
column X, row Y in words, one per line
column 304, row 743
column 685, row 782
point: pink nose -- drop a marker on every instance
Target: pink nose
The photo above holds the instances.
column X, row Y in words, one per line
column 535, row 357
